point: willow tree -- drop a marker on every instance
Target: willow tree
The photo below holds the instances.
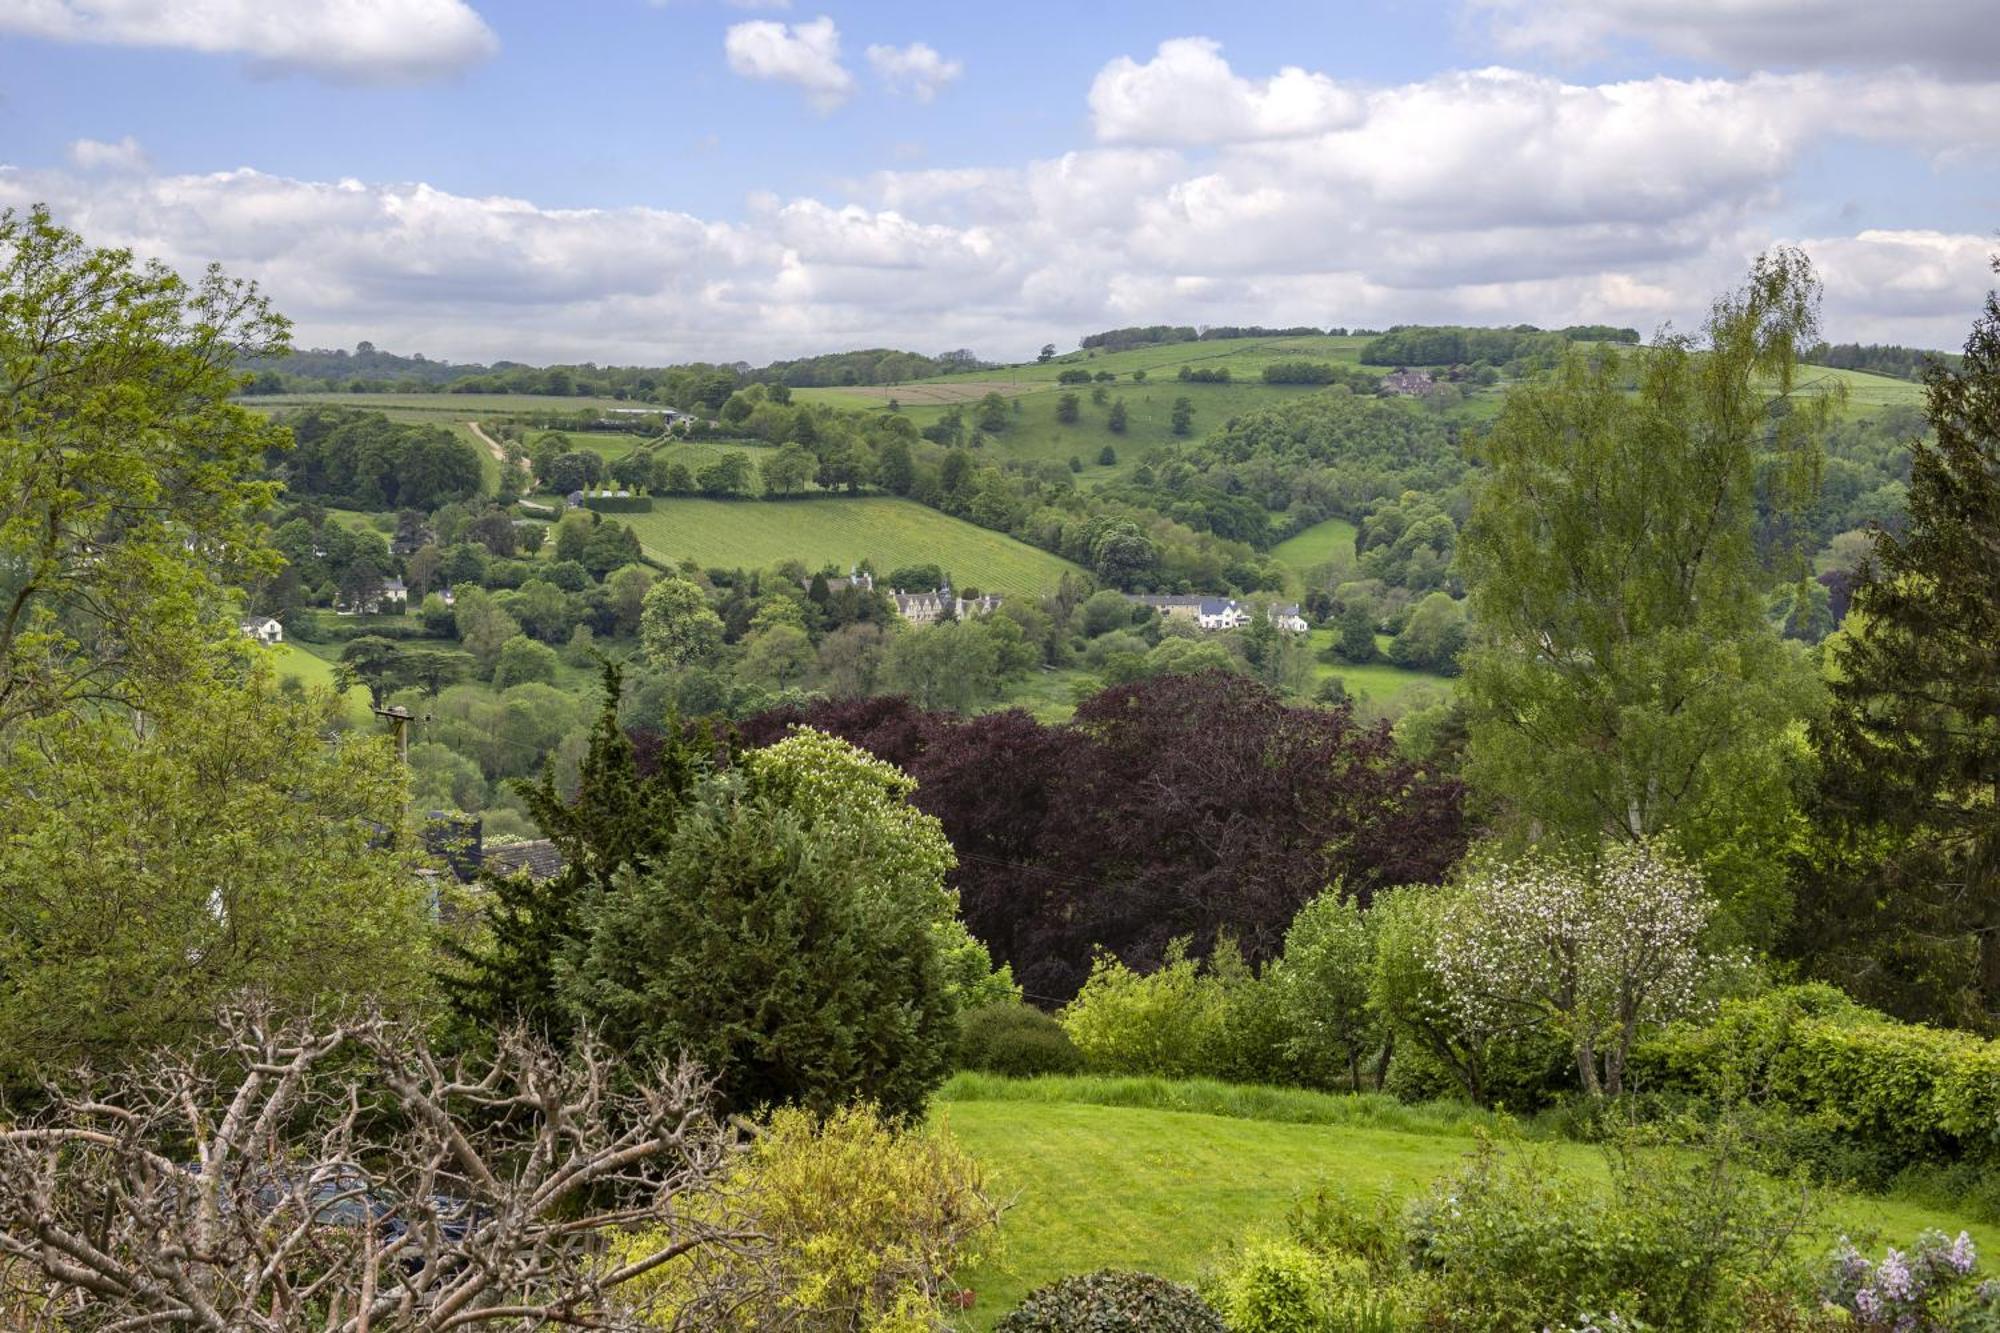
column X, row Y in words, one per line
column 1623, row 681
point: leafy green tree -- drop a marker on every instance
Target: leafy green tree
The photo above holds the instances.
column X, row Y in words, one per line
column 1068, row 408
column 152, row 872
column 790, row 938
column 677, row 627
column 625, row 593
column 954, row 665
column 1912, row 746
column 1115, row 420
column 1183, row 416
column 1354, row 639
column 483, row 627
column 369, row 660
column 1322, row 982
column 1047, row 354
column 779, row 656
column 1107, row 457
column 522, row 660
column 787, row 471
column 573, row 534
column 731, row 474
column 1623, row 682
column 611, row 546
column 894, row 470
column 130, row 482
column 992, row 414
column 1432, row 637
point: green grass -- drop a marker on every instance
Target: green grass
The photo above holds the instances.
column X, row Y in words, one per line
column 303, row 664
column 1316, row 545
column 1169, row 1191
column 1380, row 687
column 842, row 530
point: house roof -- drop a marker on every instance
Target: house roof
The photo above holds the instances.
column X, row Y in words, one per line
column 258, row 624
column 540, row 858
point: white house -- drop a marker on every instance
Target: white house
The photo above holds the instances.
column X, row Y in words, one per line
column 263, row 629
column 1220, row 613
column 1287, row 618
column 395, row 590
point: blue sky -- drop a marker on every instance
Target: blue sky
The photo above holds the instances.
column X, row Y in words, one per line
column 636, row 181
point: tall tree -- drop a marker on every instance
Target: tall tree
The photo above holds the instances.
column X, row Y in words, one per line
column 1913, row 743
column 128, row 482
column 1624, row 682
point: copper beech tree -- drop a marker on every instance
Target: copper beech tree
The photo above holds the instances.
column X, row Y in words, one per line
column 342, row 1176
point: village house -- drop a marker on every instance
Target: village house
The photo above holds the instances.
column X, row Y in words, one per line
column 263, row 629
column 927, row 608
column 856, row 578
column 1218, row 613
column 1409, row 383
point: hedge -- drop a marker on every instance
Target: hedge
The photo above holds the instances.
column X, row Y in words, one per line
column 1915, row 1093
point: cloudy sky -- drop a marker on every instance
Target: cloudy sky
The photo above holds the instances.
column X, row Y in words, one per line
column 656, row 180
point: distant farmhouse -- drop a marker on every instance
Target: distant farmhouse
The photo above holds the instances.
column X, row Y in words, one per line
column 263, row 629
column 390, row 592
column 1409, row 383
column 1219, row 613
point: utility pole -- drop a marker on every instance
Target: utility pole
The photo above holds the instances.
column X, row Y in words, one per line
column 399, row 718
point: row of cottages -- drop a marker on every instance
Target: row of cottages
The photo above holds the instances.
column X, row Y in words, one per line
column 919, row 608
column 1219, row 613
column 927, row 608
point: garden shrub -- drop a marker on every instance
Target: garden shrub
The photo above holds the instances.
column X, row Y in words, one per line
column 1870, row 1095
column 860, row 1227
column 1113, row 1302
column 1280, row 1286
column 1511, row 1242
column 1931, row 1289
column 1181, row 1021
column 1015, row 1039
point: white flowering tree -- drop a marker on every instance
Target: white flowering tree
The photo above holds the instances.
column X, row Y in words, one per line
column 1596, row 951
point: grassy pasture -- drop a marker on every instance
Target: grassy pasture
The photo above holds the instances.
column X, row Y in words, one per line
column 301, row 663
column 1316, row 545
column 842, row 530
column 1165, row 1177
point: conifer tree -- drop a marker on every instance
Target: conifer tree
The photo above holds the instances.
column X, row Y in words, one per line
column 1913, row 744
column 619, row 817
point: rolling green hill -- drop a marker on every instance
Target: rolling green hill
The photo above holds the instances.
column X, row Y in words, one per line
column 1033, row 433
column 842, row 530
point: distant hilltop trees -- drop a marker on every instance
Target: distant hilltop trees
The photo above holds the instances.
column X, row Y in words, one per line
column 369, row 370
column 1905, row 363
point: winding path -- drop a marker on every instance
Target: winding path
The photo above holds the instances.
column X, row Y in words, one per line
column 493, row 446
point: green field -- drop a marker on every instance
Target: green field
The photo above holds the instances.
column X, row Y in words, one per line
column 697, row 454
column 1316, row 545
column 1169, row 1191
column 1865, row 392
column 301, row 663
column 1380, row 687
column 843, row 530
column 1034, row 434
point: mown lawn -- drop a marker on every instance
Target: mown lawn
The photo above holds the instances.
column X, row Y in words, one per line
column 1169, row 1191
column 304, row 664
column 843, row 530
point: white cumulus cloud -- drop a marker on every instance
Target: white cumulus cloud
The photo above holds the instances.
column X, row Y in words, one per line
column 96, row 155
column 1187, row 94
column 362, row 41
column 804, row 54
column 917, row 68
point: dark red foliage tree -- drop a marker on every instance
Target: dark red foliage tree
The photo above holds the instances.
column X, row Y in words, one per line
column 1183, row 805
